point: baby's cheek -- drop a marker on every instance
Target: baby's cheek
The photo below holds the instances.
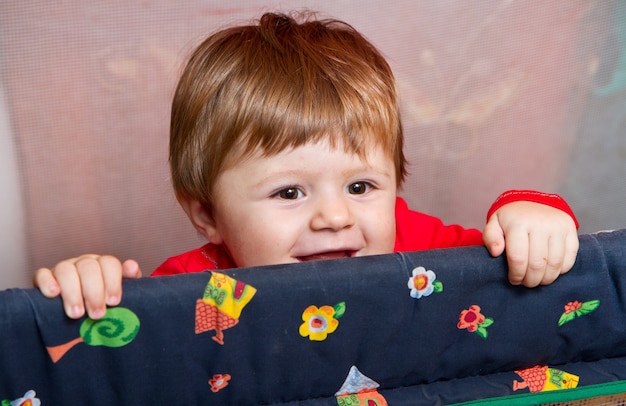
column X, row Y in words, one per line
column 383, row 240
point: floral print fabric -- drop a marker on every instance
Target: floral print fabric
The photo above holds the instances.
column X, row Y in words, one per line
column 431, row 327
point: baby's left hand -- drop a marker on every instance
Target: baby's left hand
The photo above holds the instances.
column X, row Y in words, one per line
column 541, row 241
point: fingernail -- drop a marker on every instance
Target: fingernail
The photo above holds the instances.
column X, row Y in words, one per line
column 75, row 311
column 113, row 300
column 98, row 313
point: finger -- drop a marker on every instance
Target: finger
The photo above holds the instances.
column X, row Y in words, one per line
column 111, row 270
column 537, row 261
column 571, row 251
column 46, row 282
column 67, row 277
column 493, row 237
column 554, row 261
column 92, row 286
column 517, row 246
column 130, row 269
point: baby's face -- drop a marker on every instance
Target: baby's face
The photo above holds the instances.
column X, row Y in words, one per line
column 309, row 203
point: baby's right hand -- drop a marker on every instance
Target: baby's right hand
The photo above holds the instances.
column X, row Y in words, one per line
column 89, row 281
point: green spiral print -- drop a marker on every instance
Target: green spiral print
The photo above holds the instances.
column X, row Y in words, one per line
column 118, row 327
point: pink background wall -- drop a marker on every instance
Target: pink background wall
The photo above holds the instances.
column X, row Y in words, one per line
column 495, row 95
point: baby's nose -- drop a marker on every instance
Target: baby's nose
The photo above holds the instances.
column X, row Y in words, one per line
column 332, row 214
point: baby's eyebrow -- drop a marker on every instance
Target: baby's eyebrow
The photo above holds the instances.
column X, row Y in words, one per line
column 271, row 176
column 367, row 169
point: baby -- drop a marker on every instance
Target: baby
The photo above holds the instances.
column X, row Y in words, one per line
column 286, row 146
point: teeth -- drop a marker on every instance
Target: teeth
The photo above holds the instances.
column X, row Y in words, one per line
column 326, row 255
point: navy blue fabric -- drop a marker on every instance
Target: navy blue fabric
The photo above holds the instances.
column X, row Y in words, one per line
column 413, row 348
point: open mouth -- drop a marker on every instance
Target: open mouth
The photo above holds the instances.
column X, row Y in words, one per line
column 327, row 255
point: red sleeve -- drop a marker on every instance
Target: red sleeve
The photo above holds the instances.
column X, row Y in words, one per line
column 417, row 231
column 171, row 266
column 550, row 199
column 206, row 258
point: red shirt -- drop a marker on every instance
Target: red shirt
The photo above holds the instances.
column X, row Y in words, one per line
column 415, row 231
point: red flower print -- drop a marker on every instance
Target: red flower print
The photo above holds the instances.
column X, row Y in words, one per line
column 471, row 318
column 219, row 382
column 474, row 321
column 576, row 309
column 572, row 306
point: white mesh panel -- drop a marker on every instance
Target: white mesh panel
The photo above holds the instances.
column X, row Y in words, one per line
column 496, row 94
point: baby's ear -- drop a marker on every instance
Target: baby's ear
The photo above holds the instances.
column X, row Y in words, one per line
column 201, row 219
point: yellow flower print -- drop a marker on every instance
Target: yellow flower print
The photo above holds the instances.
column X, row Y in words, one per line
column 319, row 322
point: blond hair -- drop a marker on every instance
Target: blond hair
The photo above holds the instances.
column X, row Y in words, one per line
column 275, row 85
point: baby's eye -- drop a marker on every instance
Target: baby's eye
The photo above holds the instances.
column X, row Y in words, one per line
column 289, row 193
column 358, row 188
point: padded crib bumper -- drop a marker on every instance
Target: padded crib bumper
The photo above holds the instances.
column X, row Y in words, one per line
column 430, row 327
